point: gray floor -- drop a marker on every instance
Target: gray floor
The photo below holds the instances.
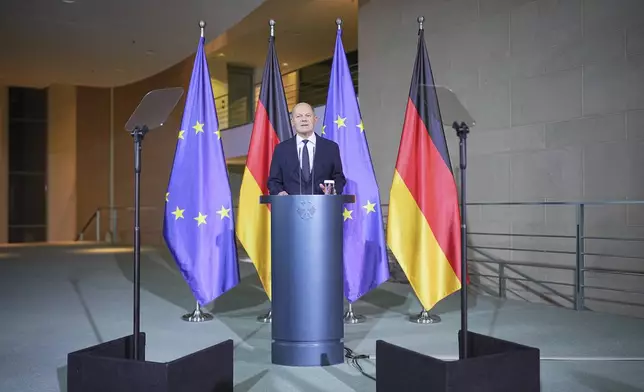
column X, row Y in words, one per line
column 57, row 299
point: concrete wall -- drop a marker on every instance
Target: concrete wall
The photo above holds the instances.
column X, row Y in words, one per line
column 556, row 89
column 93, row 158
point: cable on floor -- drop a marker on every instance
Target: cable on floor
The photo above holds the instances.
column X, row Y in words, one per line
column 353, row 359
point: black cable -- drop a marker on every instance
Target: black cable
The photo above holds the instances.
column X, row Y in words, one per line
column 353, row 359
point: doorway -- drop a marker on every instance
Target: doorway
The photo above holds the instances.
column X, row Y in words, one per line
column 27, row 165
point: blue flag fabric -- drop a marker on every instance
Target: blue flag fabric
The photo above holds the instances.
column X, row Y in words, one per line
column 198, row 225
column 365, row 252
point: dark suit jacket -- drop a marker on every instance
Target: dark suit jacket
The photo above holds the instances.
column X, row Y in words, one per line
column 285, row 168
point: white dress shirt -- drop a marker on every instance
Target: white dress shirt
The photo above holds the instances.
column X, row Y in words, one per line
column 310, row 146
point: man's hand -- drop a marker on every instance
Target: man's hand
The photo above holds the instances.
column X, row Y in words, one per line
column 282, row 193
column 326, row 192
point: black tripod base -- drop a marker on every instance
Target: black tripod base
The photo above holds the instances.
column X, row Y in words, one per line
column 492, row 365
column 107, row 367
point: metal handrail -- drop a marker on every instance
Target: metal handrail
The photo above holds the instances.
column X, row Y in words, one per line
column 509, row 270
column 555, row 203
column 96, row 218
column 579, row 295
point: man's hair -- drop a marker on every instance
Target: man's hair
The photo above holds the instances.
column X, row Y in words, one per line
column 300, row 104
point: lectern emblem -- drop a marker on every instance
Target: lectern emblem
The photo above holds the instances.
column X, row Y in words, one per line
column 306, row 210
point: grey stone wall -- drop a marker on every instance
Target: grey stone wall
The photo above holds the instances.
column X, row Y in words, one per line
column 557, row 89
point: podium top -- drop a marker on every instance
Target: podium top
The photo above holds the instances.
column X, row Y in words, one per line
column 268, row 199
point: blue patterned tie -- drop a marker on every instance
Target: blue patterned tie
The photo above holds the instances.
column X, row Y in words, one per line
column 306, row 166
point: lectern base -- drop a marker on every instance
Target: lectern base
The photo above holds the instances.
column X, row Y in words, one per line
column 307, row 354
column 306, row 279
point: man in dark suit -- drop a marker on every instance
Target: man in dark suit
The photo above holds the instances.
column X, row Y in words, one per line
column 301, row 164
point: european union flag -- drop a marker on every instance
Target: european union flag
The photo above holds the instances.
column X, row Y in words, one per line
column 365, row 253
column 198, row 225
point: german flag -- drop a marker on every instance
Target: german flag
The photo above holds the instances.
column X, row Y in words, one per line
column 271, row 126
column 423, row 229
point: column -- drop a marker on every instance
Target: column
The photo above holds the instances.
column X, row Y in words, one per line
column 61, row 164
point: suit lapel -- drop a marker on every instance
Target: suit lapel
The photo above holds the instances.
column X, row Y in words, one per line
column 318, row 154
column 292, row 156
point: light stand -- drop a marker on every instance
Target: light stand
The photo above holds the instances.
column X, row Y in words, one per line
column 120, row 364
column 153, row 110
column 461, row 131
column 138, row 133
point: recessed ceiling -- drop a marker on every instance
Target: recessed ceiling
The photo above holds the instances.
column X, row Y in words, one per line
column 303, row 35
column 105, row 43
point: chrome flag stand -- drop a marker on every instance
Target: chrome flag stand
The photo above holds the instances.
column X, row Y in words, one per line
column 351, row 318
column 425, row 317
column 266, row 318
column 197, row 315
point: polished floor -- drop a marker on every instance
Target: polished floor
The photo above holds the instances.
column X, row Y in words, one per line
column 61, row 298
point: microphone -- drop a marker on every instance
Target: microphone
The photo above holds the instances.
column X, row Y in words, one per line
column 299, row 158
column 313, row 171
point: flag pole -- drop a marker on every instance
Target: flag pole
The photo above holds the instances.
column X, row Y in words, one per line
column 197, row 315
column 267, row 318
column 350, row 317
column 424, row 317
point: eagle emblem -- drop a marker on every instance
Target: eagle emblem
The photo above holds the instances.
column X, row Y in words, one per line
column 306, row 209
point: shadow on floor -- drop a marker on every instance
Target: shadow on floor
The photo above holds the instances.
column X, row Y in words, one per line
column 62, row 378
column 161, row 277
column 600, row 383
column 249, row 383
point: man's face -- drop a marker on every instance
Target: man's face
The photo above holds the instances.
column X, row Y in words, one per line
column 303, row 119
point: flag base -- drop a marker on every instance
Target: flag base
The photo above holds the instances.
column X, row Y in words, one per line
column 266, row 318
column 197, row 316
column 425, row 318
column 492, row 365
column 351, row 318
column 108, row 367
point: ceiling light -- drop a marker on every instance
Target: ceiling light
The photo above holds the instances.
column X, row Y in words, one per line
column 285, row 64
column 69, row 1
column 220, row 54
